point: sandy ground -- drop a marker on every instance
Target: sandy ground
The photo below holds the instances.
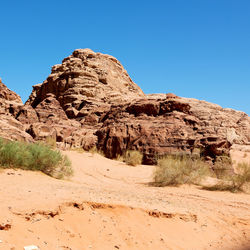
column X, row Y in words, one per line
column 109, row 205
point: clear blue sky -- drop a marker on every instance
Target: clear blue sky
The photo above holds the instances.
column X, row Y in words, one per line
column 193, row 48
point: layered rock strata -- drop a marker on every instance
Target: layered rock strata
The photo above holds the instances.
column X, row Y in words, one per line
column 90, row 101
column 163, row 124
column 10, row 104
column 69, row 103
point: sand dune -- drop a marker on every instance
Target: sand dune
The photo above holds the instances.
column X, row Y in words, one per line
column 109, row 205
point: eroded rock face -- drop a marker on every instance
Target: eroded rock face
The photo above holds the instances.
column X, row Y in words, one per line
column 89, row 100
column 76, row 94
column 10, row 101
column 48, row 120
column 10, row 104
column 167, row 124
column 87, row 82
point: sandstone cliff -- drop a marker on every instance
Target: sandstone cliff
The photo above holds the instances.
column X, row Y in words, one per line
column 87, row 82
column 90, row 100
column 10, row 104
column 69, row 103
column 163, row 124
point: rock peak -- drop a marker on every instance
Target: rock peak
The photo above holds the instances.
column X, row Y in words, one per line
column 86, row 79
column 86, row 51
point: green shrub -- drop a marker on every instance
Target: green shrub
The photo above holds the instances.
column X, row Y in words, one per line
column 174, row 171
column 133, row 157
column 34, row 156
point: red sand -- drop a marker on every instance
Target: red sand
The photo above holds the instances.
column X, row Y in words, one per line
column 109, row 205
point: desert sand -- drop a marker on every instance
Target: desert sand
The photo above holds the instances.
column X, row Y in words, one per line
column 109, row 205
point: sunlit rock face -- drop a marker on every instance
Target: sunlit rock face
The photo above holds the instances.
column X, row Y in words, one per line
column 87, row 81
column 68, row 105
column 167, row 124
column 90, row 101
column 10, row 104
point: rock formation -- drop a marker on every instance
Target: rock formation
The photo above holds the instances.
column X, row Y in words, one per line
column 90, row 100
column 159, row 125
column 10, row 104
column 69, row 103
column 87, row 82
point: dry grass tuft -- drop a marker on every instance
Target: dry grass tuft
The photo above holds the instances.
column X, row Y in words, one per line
column 51, row 142
column 223, row 166
column 95, row 150
column 133, row 157
column 79, row 150
column 234, row 182
column 120, row 158
column 174, row 171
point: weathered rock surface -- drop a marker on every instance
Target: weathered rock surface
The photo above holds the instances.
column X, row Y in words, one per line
column 10, row 104
column 10, row 101
column 87, row 82
column 164, row 124
column 90, row 100
column 72, row 99
column 48, row 119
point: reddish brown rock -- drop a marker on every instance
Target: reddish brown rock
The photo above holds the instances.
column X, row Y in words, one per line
column 87, row 82
column 8, row 95
column 171, row 96
column 75, row 95
column 10, row 128
column 90, row 100
column 10, row 101
column 48, row 120
column 159, row 126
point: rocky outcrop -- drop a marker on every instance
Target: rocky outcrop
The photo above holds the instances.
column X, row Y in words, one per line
column 10, row 104
column 166, row 124
column 10, row 101
column 89, row 100
column 87, row 82
column 48, row 120
column 69, row 103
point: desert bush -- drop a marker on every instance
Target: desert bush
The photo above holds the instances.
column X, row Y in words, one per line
column 174, row 171
column 95, row 150
column 223, row 166
column 181, row 169
column 50, row 141
column 235, row 182
column 34, row 156
column 133, row 157
column 120, row 158
column 78, row 150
